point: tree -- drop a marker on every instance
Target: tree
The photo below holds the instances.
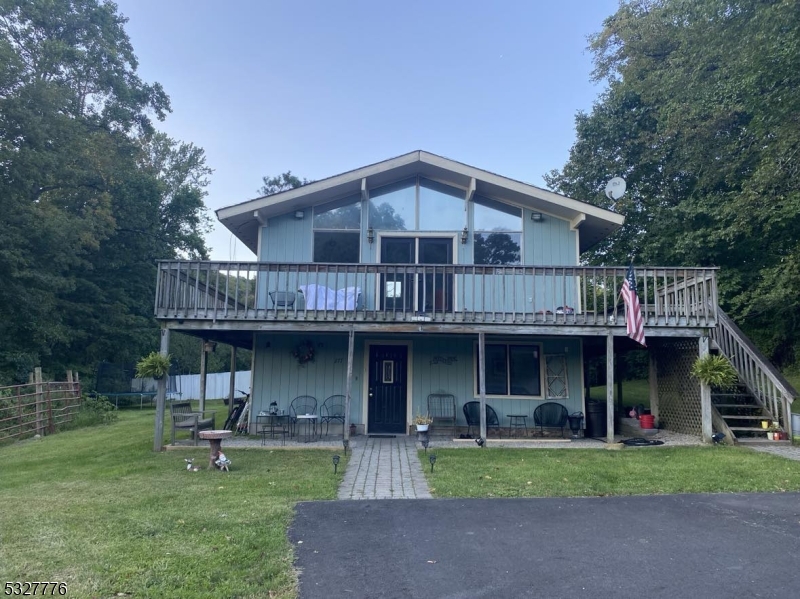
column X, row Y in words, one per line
column 280, row 183
column 700, row 117
column 83, row 210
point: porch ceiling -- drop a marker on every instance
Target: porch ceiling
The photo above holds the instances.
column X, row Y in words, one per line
column 243, row 219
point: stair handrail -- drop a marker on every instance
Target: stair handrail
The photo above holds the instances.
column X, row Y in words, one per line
column 753, row 367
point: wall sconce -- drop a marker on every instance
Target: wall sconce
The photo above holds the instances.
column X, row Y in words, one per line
column 299, row 214
column 370, row 235
column 464, row 236
column 536, row 217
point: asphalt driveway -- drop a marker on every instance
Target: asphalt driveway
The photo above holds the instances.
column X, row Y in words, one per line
column 674, row 546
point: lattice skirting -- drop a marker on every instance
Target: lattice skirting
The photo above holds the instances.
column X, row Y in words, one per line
column 678, row 392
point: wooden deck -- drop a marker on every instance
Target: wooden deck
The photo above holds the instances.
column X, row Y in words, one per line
column 558, row 299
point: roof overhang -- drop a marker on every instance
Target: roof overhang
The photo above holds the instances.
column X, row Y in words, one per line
column 244, row 219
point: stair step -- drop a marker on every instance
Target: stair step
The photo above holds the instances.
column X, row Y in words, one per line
column 750, row 429
column 761, row 441
column 738, row 405
column 745, row 394
column 738, row 417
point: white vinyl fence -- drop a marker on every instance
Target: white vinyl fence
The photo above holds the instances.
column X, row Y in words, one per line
column 187, row 386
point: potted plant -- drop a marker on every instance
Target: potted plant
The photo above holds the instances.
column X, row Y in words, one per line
column 153, row 366
column 715, row 371
column 422, row 422
column 774, row 432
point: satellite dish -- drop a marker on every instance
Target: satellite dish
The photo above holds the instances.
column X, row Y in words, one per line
column 615, row 188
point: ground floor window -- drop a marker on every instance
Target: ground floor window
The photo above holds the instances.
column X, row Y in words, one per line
column 511, row 370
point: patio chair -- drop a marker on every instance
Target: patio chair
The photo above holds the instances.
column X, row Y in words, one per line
column 442, row 408
column 472, row 412
column 332, row 410
column 282, row 299
column 184, row 419
column 303, row 404
column 550, row 415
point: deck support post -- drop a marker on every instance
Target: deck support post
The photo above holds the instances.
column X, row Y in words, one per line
column 652, row 379
column 610, row 387
column 203, row 374
column 705, row 397
column 161, row 395
column 482, row 370
column 232, row 382
column 348, row 386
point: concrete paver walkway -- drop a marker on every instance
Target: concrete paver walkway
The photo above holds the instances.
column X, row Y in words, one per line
column 384, row 468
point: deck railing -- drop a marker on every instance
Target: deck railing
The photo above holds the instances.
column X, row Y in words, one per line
column 580, row 295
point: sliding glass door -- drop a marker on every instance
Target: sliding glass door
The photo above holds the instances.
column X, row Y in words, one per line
column 402, row 289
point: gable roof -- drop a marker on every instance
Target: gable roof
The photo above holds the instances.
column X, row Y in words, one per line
column 244, row 219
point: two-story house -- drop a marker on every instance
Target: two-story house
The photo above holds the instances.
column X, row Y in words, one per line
column 420, row 275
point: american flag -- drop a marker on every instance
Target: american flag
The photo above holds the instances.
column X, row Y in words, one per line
column 633, row 311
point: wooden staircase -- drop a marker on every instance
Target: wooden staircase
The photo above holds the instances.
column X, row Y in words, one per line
column 743, row 415
column 763, row 394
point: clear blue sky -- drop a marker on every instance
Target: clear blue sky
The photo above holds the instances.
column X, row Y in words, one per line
column 323, row 87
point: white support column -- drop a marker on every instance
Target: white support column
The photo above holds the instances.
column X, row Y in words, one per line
column 482, row 370
column 161, row 395
column 610, row 387
column 705, row 398
column 653, row 380
column 348, row 386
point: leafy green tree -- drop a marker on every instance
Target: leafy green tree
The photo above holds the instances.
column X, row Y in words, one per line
column 282, row 182
column 85, row 208
column 700, row 117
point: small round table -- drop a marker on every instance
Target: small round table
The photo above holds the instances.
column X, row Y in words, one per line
column 310, row 419
column 215, row 439
column 518, row 421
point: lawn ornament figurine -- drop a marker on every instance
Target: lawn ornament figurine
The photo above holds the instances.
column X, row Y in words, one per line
column 222, row 462
column 189, row 465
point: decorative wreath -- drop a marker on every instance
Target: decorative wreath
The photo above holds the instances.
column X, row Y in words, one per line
column 304, row 352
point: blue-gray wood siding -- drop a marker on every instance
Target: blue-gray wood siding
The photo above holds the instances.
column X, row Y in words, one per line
column 438, row 363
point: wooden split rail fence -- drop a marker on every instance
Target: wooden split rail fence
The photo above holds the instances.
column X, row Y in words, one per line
column 37, row 408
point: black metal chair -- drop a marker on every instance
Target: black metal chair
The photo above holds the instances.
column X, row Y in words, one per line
column 302, row 404
column 472, row 412
column 550, row 415
column 332, row 410
column 442, row 408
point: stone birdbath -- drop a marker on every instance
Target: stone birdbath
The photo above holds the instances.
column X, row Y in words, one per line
column 215, row 439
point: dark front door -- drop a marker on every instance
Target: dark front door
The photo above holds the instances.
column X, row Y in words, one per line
column 386, row 405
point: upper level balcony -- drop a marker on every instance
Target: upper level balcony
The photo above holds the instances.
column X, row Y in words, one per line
column 566, row 297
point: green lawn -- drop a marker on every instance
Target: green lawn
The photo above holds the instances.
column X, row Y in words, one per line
column 502, row 472
column 98, row 509
column 633, row 393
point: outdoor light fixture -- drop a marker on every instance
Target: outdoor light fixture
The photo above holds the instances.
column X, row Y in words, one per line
column 432, row 459
column 335, row 463
column 480, row 441
column 345, row 442
column 299, row 215
column 464, row 236
column 370, row 235
column 425, row 442
column 536, row 217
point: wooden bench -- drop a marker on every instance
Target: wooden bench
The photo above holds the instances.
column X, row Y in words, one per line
column 183, row 418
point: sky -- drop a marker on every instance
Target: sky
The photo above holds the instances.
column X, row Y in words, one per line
column 323, row 87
